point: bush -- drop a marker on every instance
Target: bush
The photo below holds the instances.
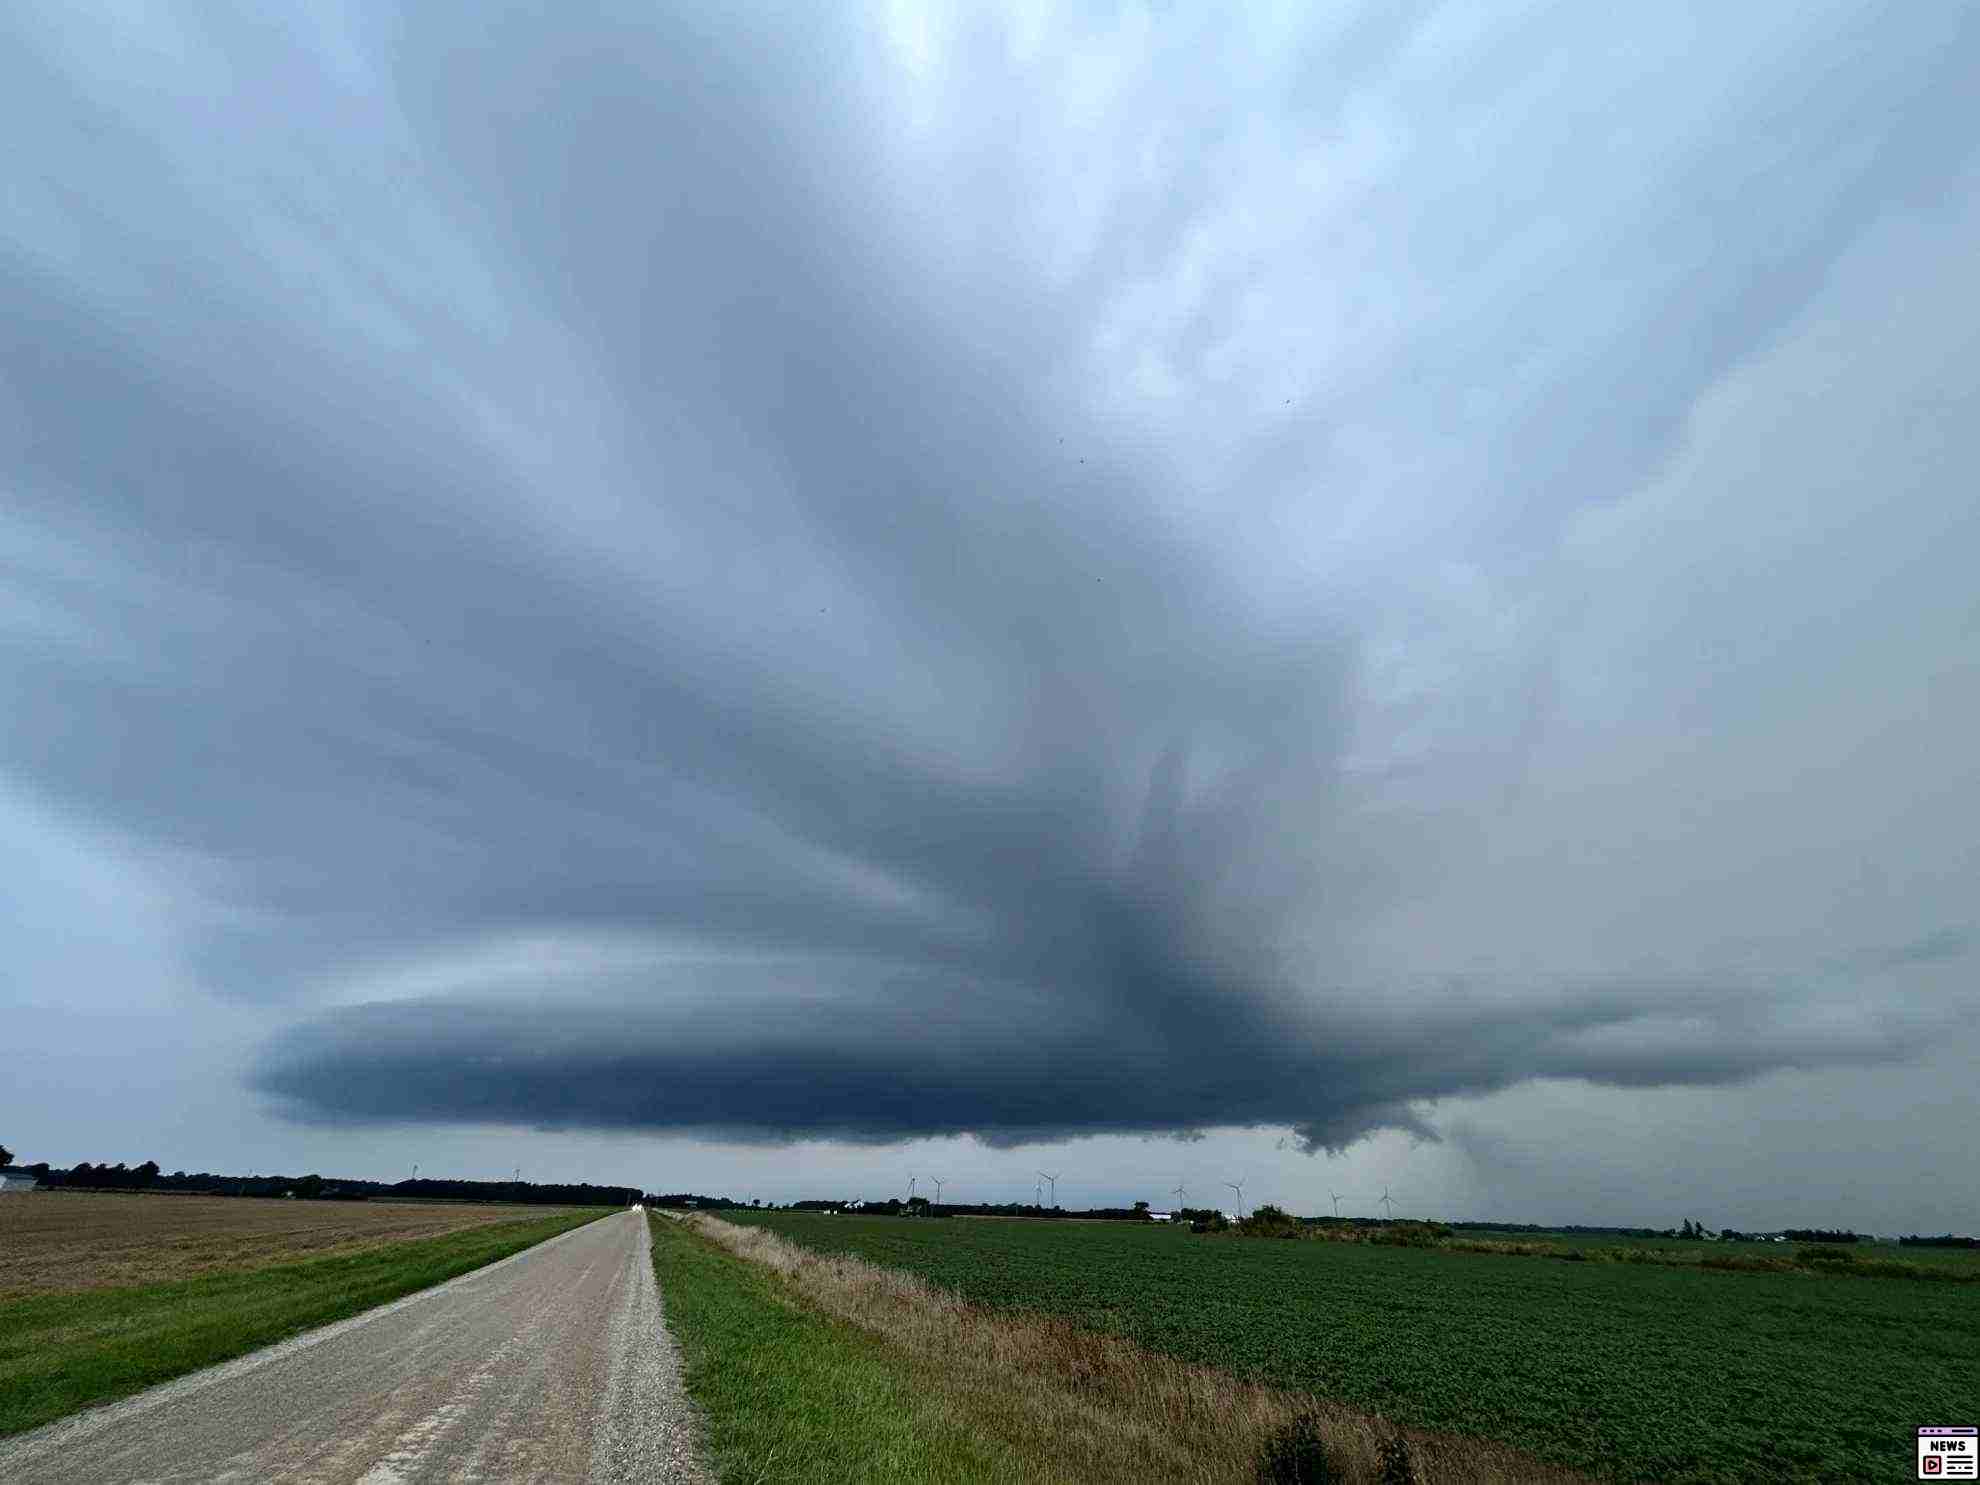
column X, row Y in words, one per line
column 1297, row 1455
column 1397, row 1467
column 1411, row 1234
column 1271, row 1221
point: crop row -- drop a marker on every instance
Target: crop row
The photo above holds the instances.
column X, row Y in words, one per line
column 1635, row 1372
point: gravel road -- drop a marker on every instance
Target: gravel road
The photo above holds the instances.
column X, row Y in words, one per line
column 550, row 1365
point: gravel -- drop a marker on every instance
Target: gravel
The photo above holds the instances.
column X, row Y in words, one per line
column 551, row 1365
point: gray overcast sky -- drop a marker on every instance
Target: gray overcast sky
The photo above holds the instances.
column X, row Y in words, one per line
column 1337, row 596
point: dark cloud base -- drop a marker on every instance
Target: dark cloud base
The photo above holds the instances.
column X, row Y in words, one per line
column 410, row 1063
column 860, row 1073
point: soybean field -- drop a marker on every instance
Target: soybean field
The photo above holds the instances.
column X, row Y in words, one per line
column 1624, row 1371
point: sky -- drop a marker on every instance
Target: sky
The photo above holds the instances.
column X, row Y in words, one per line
column 766, row 599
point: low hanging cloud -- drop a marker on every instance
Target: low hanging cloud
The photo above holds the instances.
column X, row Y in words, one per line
column 908, row 577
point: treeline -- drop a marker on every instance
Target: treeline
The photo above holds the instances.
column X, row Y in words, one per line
column 577, row 1194
column 1575, row 1228
column 921, row 1206
column 1822, row 1235
column 148, row 1177
column 1944, row 1240
column 688, row 1200
column 118, row 1177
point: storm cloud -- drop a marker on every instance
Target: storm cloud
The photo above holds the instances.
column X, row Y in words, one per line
column 1025, row 576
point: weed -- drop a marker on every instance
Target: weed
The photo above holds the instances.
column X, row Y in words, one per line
column 1297, row 1455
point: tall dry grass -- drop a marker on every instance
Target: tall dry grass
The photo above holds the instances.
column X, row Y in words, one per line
column 1093, row 1407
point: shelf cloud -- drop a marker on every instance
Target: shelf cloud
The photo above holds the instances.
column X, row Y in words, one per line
column 862, row 576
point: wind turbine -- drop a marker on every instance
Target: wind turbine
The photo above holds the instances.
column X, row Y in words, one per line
column 1337, row 1203
column 939, row 1184
column 910, row 1195
column 1052, row 1181
column 1038, row 1195
column 1387, row 1205
column 1181, row 1194
column 1238, row 1187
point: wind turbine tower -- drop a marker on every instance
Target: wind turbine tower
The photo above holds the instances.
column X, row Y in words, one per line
column 1238, row 1187
column 1388, row 1206
column 1181, row 1194
column 1052, row 1181
column 939, row 1184
column 910, row 1195
column 1337, row 1203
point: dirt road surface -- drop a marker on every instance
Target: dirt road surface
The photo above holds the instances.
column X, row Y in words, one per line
column 551, row 1365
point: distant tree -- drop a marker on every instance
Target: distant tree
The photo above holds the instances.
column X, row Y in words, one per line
column 1141, row 1206
column 310, row 1186
column 146, row 1173
column 1267, row 1220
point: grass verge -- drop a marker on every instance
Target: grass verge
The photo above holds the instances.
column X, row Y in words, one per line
column 789, row 1393
column 63, row 1352
column 824, row 1366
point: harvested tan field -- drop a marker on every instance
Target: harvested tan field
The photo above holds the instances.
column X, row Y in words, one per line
column 56, row 1241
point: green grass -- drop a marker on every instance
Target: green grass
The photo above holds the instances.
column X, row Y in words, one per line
column 789, row 1394
column 62, row 1352
column 1627, row 1370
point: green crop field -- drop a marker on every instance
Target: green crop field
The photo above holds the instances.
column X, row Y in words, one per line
column 1960, row 1261
column 1631, row 1371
